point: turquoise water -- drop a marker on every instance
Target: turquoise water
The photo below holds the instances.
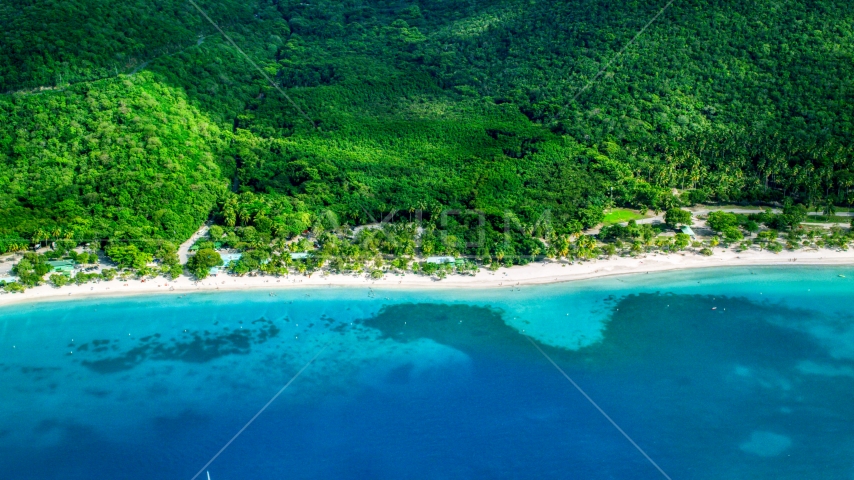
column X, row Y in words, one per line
column 728, row 373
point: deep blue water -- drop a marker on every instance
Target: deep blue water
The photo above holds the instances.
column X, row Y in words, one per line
column 729, row 373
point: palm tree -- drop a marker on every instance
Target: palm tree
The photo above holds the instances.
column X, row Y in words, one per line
column 277, row 230
column 38, row 236
column 829, row 209
column 562, row 247
column 229, row 213
column 243, row 214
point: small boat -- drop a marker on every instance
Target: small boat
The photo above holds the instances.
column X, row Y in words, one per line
column 209, row 475
column 841, row 276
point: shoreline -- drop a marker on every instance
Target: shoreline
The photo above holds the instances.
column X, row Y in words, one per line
column 532, row 274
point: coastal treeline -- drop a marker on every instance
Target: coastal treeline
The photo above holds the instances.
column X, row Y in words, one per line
column 249, row 243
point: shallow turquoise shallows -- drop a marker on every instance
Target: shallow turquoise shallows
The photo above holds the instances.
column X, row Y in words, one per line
column 715, row 374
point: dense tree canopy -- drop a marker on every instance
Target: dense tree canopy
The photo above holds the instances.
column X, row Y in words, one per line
column 122, row 159
column 151, row 121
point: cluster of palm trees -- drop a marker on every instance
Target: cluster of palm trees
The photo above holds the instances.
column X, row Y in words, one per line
column 740, row 164
column 39, row 235
column 55, row 233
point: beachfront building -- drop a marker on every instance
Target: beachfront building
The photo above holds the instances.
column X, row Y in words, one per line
column 299, row 256
column 230, row 257
column 687, row 231
column 441, row 260
column 65, row 267
column 227, row 258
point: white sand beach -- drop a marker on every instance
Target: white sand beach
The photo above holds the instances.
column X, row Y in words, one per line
column 535, row 273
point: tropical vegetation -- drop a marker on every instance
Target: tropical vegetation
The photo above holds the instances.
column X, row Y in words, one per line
column 499, row 131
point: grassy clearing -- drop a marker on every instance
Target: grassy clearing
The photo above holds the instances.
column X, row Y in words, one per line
column 826, row 219
column 728, row 208
column 620, row 215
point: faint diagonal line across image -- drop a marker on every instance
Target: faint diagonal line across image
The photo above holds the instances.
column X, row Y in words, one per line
column 260, row 411
column 254, row 65
column 614, row 58
column 607, row 417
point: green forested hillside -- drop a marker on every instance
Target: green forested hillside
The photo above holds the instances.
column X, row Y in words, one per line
column 50, row 42
column 729, row 96
column 125, row 158
column 419, row 105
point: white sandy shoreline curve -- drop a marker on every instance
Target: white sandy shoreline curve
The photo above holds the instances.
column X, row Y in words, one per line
column 531, row 274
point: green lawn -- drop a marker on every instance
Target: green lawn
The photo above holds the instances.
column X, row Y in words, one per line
column 620, row 215
column 825, row 219
column 735, row 207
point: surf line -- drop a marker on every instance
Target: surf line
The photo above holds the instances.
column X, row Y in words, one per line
column 582, row 392
column 260, row 411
